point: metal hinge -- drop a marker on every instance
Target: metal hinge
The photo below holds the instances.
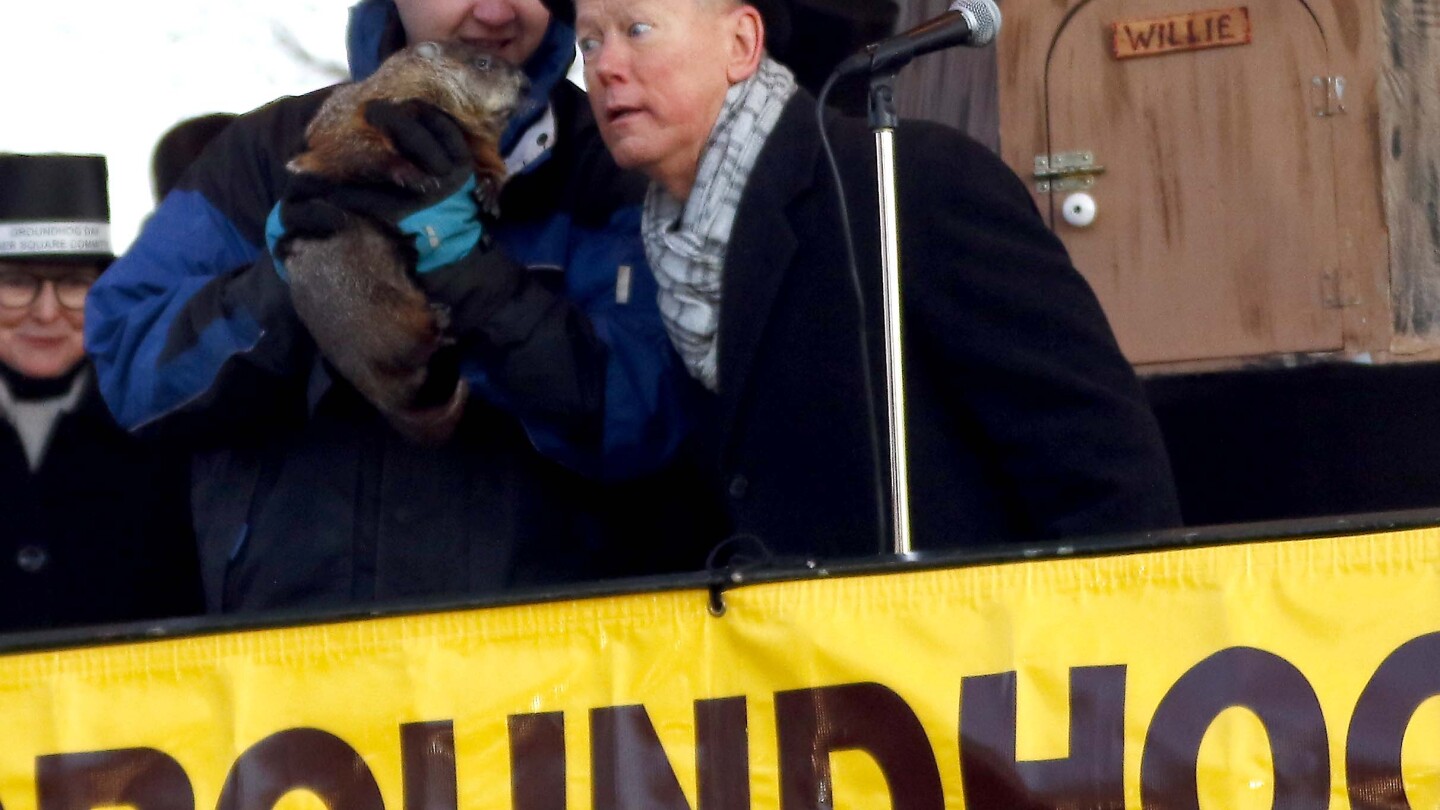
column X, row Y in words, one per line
column 1065, row 171
column 1328, row 95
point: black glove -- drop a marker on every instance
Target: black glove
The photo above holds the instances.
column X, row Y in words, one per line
column 431, row 204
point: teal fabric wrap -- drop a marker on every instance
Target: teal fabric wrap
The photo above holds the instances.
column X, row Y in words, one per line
column 447, row 230
column 274, row 229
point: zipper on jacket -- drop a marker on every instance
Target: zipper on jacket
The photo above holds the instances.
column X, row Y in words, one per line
column 368, row 507
column 231, row 595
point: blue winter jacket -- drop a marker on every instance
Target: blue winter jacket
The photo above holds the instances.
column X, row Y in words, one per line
column 302, row 494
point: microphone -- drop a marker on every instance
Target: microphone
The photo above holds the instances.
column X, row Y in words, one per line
column 973, row 23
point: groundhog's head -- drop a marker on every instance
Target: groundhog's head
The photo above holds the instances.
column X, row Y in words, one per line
column 473, row 87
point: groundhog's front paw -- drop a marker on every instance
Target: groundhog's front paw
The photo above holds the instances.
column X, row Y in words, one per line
column 409, row 177
column 487, row 193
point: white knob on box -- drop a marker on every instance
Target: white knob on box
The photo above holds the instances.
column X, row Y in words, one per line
column 1079, row 209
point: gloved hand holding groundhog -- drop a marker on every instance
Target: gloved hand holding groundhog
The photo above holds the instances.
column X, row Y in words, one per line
column 382, row 232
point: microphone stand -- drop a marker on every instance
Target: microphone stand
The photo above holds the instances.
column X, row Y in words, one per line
column 883, row 121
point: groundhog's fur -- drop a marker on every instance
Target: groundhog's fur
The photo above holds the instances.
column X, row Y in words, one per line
column 354, row 291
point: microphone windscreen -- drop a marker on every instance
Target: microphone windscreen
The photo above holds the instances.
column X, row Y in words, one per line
column 984, row 19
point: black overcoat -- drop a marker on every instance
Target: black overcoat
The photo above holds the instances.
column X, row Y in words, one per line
column 99, row 533
column 1024, row 420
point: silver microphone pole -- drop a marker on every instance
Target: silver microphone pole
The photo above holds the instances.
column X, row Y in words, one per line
column 981, row 23
column 883, row 121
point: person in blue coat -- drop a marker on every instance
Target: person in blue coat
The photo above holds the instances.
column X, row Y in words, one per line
column 303, row 495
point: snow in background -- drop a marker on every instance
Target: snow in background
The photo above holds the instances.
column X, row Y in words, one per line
column 108, row 77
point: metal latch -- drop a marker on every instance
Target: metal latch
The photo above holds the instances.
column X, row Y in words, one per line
column 1065, row 171
column 1329, row 95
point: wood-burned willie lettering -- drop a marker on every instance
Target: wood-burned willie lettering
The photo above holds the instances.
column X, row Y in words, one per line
column 1181, row 32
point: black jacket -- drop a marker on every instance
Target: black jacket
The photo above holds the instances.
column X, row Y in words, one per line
column 303, row 496
column 99, row 533
column 1025, row 421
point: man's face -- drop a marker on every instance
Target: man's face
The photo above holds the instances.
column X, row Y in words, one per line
column 510, row 29
column 656, row 72
column 44, row 338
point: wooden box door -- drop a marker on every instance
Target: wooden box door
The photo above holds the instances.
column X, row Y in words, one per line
column 1215, row 226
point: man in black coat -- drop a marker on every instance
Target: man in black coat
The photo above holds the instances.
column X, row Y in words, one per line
column 94, row 527
column 1025, row 421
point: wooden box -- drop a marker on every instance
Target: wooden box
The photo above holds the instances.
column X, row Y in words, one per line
column 1265, row 175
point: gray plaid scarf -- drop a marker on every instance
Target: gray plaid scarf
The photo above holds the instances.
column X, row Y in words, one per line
column 685, row 241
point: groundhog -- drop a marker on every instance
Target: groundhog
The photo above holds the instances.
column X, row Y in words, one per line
column 355, row 291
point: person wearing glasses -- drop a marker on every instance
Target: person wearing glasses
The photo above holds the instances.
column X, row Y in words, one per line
column 93, row 525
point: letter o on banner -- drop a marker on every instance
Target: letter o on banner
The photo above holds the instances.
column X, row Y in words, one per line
column 1405, row 679
column 300, row 759
column 1262, row 682
column 143, row 778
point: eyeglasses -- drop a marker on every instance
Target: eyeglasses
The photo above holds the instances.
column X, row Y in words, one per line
column 19, row 289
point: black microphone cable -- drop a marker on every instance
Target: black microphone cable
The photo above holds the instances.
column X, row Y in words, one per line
column 981, row 23
column 879, row 475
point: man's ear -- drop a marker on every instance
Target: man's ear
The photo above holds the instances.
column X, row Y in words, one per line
column 746, row 32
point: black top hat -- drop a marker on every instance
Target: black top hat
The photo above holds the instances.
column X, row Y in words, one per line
column 54, row 208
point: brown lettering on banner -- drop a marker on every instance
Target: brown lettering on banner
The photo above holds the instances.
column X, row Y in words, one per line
column 300, row 759
column 537, row 761
column 629, row 768
column 1093, row 774
column 631, row 771
column 868, row 717
column 1405, row 679
column 722, row 754
column 427, row 764
column 1267, row 685
column 1192, row 31
column 142, row 778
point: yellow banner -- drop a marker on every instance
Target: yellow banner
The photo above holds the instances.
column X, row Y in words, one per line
column 1288, row 674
